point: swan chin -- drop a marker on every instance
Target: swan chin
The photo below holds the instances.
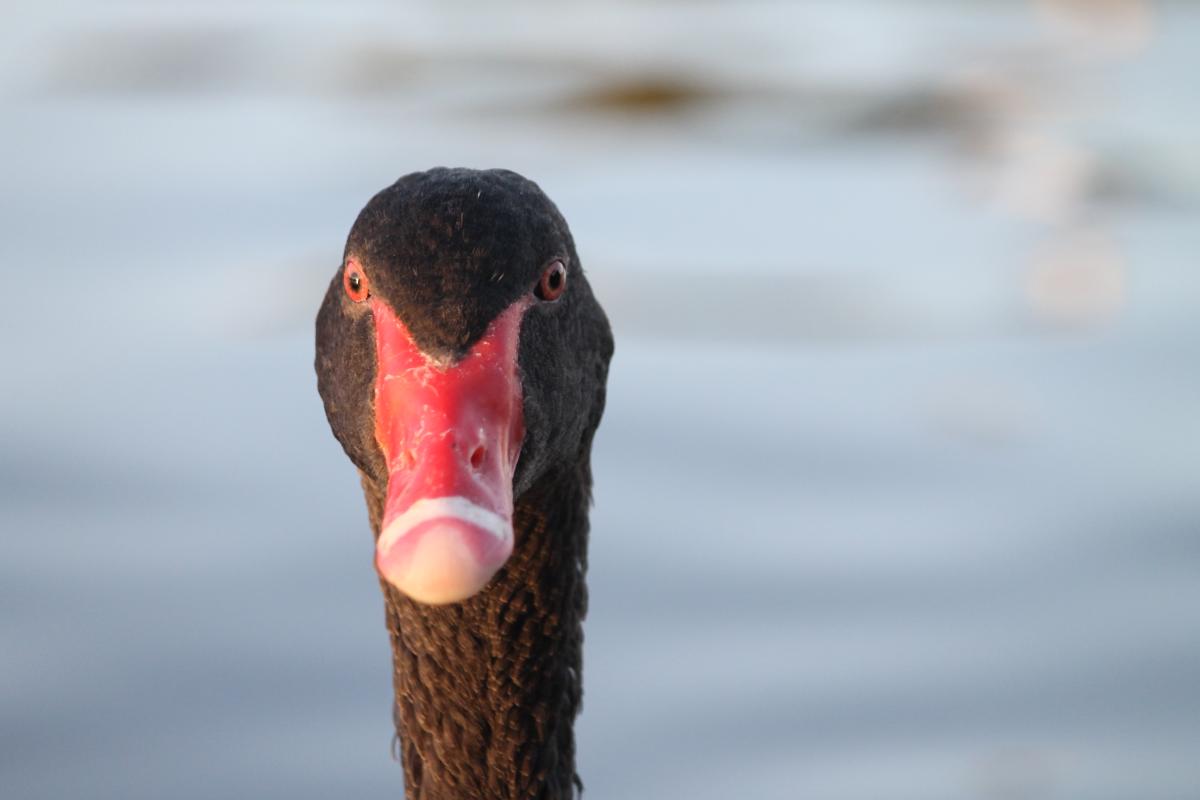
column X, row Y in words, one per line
column 443, row 550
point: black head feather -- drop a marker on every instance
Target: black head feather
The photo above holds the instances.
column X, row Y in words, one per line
column 448, row 250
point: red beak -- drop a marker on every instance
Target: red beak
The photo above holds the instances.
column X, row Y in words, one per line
column 451, row 435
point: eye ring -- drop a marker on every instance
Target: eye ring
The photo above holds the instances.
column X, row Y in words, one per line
column 354, row 281
column 552, row 283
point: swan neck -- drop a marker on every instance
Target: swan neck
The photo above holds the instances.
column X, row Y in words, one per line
column 487, row 690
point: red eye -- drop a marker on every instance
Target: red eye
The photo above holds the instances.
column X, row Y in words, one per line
column 355, row 282
column 553, row 282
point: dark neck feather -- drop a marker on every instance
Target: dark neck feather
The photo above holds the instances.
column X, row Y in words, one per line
column 487, row 690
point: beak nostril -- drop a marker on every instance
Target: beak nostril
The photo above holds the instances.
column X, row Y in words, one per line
column 477, row 457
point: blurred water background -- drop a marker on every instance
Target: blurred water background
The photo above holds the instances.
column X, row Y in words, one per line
column 897, row 493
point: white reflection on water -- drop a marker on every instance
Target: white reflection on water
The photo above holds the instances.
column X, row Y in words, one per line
column 897, row 489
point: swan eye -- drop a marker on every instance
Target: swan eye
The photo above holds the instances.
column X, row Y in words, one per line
column 553, row 282
column 355, row 282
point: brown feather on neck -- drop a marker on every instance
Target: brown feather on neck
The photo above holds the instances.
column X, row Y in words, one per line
column 487, row 690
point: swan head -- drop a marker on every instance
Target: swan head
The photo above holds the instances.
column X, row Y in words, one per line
column 461, row 356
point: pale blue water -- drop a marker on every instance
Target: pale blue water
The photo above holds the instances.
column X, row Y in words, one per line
column 897, row 493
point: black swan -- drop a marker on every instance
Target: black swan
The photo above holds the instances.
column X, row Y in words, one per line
column 462, row 359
